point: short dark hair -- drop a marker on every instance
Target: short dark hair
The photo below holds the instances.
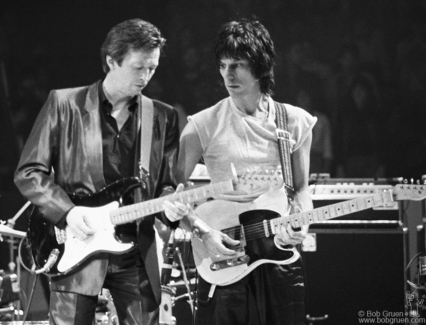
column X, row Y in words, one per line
column 250, row 40
column 132, row 34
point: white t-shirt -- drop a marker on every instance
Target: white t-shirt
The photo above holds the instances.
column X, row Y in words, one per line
column 228, row 136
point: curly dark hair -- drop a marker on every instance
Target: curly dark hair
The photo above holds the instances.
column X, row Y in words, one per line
column 132, row 34
column 250, row 40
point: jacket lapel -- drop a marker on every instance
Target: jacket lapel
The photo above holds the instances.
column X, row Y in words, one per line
column 92, row 126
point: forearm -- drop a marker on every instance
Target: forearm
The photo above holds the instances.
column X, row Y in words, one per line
column 193, row 223
column 303, row 201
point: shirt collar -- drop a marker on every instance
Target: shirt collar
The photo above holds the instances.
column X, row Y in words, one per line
column 106, row 104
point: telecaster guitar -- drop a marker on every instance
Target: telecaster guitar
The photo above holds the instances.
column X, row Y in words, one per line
column 107, row 214
column 246, row 222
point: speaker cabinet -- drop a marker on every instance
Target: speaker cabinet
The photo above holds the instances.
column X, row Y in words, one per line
column 352, row 271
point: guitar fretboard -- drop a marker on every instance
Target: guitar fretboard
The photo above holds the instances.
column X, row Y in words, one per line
column 334, row 210
column 136, row 211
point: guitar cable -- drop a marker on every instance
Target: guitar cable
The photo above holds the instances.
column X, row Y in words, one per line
column 30, row 298
column 187, row 253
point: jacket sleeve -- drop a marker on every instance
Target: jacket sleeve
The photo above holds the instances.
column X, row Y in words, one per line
column 167, row 180
column 34, row 175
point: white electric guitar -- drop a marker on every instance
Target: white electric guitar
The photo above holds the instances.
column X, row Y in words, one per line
column 246, row 222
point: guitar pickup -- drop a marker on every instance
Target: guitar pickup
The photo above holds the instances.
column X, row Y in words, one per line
column 229, row 263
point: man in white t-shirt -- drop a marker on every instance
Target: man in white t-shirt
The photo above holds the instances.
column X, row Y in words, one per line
column 240, row 130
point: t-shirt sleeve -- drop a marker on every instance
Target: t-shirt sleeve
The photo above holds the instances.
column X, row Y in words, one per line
column 202, row 124
column 300, row 124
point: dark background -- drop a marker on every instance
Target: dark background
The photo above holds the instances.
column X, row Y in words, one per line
column 55, row 44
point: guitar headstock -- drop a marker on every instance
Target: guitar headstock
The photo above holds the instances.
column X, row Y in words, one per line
column 258, row 180
column 414, row 192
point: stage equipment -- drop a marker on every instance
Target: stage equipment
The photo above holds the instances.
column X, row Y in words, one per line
column 7, row 231
column 355, row 263
column 167, row 301
column 9, row 288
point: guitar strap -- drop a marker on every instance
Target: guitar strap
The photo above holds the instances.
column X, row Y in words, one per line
column 283, row 136
column 146, row 113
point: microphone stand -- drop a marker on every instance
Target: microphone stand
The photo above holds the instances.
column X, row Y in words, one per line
column 11, row 223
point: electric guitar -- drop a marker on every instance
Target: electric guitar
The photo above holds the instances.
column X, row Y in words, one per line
column 63, row 252
column 247, row 223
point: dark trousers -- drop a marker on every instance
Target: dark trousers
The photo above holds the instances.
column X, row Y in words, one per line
column 278, row 293
column 130, row 289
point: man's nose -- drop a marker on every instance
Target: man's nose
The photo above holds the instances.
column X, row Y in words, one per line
column 145, row 75
column 228, row 73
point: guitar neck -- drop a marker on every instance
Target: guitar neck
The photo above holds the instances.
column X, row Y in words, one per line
column 335, row 210
column 137, row 211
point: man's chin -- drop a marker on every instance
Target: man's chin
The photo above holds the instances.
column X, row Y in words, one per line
column 136, row 91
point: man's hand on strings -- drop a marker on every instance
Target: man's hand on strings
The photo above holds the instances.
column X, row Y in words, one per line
column 77, row 221
column 217, row 243
column 286, row 235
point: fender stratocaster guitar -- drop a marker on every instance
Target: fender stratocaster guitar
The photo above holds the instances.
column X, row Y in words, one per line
column 247, row 222
column 107, row 213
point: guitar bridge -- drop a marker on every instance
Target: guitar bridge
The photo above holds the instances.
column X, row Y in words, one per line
column 231, row 262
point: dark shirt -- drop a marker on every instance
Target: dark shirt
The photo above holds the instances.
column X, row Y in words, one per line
column 118, row 147
column 118, row 151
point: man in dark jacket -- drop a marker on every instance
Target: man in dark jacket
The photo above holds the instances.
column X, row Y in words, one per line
column 87, row 138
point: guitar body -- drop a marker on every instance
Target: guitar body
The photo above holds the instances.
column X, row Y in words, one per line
column 240, row 221
column 43, row 236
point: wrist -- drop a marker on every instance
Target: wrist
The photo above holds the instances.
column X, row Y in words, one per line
column 200, row 230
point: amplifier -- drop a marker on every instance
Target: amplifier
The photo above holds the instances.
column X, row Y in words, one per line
column 350, row 271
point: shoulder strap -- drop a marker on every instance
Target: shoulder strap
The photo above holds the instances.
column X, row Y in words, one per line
column 283, row 136
column 146, row 113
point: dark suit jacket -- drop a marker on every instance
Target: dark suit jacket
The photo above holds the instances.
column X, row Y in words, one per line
column 64, row 154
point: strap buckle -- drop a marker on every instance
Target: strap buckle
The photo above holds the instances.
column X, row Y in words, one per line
column 144, row 175
column 282, row 134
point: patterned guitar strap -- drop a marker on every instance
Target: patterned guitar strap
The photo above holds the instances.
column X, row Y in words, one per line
column 283, row 137
column 146, row 113
column 146, row 122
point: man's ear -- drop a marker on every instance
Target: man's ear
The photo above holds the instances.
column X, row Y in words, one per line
column 110, row 61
